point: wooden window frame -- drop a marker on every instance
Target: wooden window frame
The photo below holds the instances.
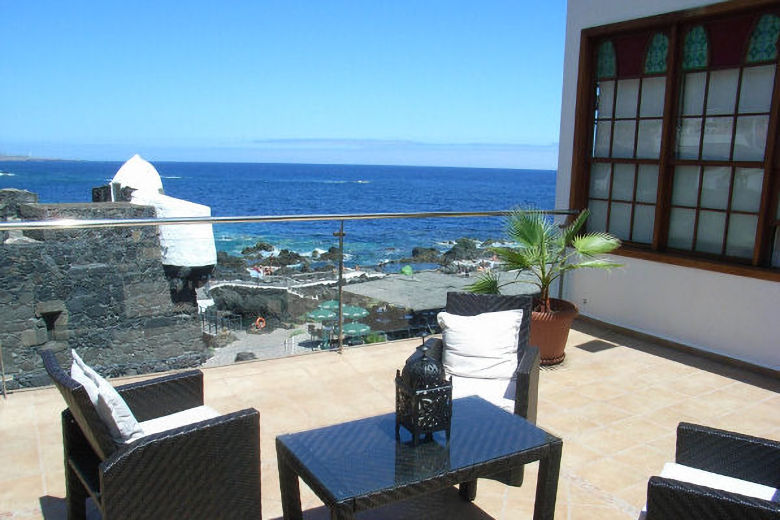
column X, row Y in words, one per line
column 673, row 24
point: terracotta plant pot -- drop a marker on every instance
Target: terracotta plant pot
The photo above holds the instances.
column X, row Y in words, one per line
column 550, row 330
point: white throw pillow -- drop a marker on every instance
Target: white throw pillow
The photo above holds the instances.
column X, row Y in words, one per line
column 482, row 346
column 110, row 406
column 77, row 374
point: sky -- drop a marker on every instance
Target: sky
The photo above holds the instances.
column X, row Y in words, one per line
column 434, row 82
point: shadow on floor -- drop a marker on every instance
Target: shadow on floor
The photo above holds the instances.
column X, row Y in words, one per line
column 53, row 508
column 673, row 352
column 442, row 505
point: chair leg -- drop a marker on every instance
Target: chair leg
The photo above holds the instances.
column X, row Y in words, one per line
column 468, row 490
column 75, row 495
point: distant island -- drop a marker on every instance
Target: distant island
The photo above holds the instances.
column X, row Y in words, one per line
column 4, row 157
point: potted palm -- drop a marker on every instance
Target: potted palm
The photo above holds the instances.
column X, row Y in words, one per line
column 546, row 252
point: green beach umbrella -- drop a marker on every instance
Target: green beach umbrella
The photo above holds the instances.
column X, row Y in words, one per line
column 322, row 315
column 356, row 329
column 330, row 305
column 354, row 312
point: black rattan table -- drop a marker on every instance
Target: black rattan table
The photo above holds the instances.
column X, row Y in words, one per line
column 359, row 465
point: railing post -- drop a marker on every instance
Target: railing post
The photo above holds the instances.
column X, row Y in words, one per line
column 340, row 234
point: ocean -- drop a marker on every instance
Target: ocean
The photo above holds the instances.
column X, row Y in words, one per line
column 238, row 189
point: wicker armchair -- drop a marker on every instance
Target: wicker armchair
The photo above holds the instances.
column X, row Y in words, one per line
column 204, row 470
column 725, row 453
column 527, row 372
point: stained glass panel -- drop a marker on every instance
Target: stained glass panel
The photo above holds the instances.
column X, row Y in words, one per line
column 763, row 41
column 655, row 62
column 606, row 67
column 695, row 50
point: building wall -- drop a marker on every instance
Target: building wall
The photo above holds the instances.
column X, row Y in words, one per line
column 726, row 314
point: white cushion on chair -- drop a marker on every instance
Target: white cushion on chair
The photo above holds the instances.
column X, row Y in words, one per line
column 110, row 406
column 500, row 392
column 482, row 346
column 174, row 420
column 77, row 374
column 691, row 475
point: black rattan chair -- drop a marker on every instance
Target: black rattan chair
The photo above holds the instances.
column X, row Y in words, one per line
column 205, row 470
column 527, row 372
column 726, row 453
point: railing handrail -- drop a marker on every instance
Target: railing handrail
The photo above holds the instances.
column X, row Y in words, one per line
column 70, row 223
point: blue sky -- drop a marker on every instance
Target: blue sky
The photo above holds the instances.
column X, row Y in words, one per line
column 437, row 82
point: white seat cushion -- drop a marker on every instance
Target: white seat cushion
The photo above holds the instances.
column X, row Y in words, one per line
column 174, row 420
column 684, row 473
column 110, row 406
column 482, row 346
column 500, row 392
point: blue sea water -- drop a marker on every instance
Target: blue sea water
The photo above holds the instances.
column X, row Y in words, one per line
column 234, row 189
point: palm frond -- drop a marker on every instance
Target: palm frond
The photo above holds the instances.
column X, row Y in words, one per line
column 488, row 283
column 597, row 264
column 569, row 233
column 514, row 258
column 528, row 228
column 595, row 244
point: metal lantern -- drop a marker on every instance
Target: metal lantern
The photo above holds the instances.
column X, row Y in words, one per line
column 423, row 397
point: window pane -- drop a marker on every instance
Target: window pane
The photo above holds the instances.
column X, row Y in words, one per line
column 756, row 92
column 623, row 139
column 709, row 237
column 688, row 140
column 623, row 183
column 742, row 235
column 644, row 218
column 693, row 93
column 686, row 186
column 716, row 145
column 748, row 183
column 602, row 139
column 606, row 94
column 715, row 185
column 597, row 221
column 763, row 41
column 655, row 62
column 627, row 97
column 649, row 144
column 652, row 104
column 647, row 183
column 776, row 249
column 620, row 220
column 599, row 180
column 750, row 140
column 606, row 60
column 681, row 222
column 695, row 49
column 722, row 92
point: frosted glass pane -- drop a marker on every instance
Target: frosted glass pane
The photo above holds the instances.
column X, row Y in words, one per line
column 756, row 92
column 686, row 186
column 606, row 95
column 620, row 220
column 681, row 223
column 693, row 93
column 644, row 218
column 741, row 236
column 688, row 140
column 748, row 183
column 623, row 183
column 709, row 237
column 599, row 180
column 627, row 97
column 597, row 221
column 648, row 145
column 722, row 93
column 652, row 104
column 647, row 183
column 750, row 139
column 602, row 139
column 776, row 249
column 716, row 142
column 715, row 185
column 623, row 139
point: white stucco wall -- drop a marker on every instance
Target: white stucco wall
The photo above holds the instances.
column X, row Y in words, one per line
column 729, row 315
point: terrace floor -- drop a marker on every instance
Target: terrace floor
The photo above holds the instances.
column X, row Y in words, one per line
column 615, row 402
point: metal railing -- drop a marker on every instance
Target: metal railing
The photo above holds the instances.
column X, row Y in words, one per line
column 63, row 224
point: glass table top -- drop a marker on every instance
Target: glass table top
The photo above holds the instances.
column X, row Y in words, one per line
column 363, row 456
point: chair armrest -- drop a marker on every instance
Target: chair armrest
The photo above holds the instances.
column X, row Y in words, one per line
column 672, row 499
column 729, row 453
column 163, row 395
column 527, row 387
column 194, row 471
